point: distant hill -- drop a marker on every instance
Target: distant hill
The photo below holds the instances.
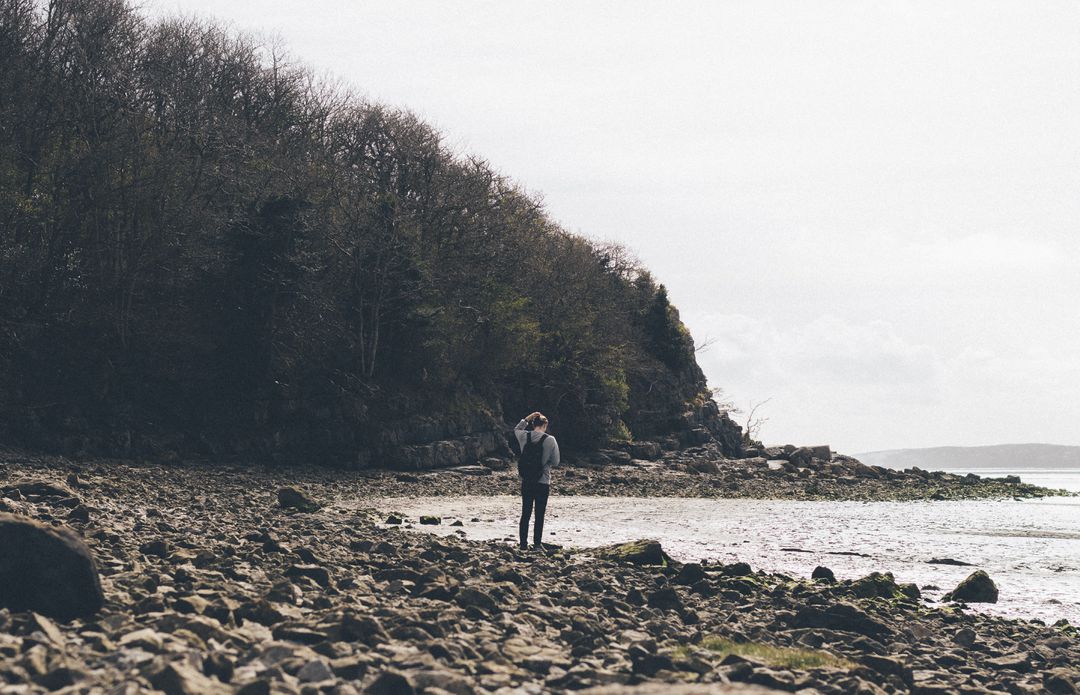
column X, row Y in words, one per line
column 1014, row 456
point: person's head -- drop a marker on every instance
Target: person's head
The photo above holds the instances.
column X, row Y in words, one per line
column 539, row 423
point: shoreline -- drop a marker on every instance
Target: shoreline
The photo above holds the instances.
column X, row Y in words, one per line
column 211, row 586
column 934, row 544
column 699, row 472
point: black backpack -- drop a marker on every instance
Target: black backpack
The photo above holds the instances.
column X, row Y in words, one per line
column 531, row 461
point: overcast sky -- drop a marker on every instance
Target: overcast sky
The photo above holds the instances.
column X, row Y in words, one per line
column 870, row 209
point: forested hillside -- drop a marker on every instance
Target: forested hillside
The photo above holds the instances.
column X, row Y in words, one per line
column 204, row 249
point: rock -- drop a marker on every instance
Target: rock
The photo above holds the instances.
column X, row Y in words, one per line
column 156, row 548
column 648, row 664
column 191, row 604
column 690, row 574
column 219, row 665
column 292, row 498
column 495, row 464
column 255, row 687
column 648, row 451
column 299, row 633
column 430, row 520
column 350, row 667
column 737, row 569
column 42, row 488
column 910, row 589
column 1060, row 681
column 46, row 569
column 61, row 677
column 977, row 588
column 841, row 616
column 147, row 638
column 1017, row 661
column 947, row 561
column 665, row 598
column 822, row 452
column 366, row 629
column 876, row 585
column 79, row 513
column 801, row 456
column 315, row 671
column 641, row 552
column 706, row 466
column 178, row 678
column 393, row 519
column 888, row 666
column 390, row 683
column 470, row 596
column 320, row 575
column 823, row 574
column 429, row 681
column 965, row 637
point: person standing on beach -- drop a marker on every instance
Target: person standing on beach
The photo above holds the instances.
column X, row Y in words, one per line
column 537, row 453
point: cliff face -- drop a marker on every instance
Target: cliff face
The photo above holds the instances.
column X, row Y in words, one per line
column 260, row 266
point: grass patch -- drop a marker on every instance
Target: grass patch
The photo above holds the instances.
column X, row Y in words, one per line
column 783, row 657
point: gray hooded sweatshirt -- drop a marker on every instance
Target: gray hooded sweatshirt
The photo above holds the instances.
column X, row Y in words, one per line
column 550, row 456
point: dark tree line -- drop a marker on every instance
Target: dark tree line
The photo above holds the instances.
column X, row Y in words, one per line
column 202, row 247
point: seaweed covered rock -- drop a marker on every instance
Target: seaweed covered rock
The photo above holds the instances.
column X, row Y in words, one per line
column 639, row 552
column 45, row 569
column 876, row 585
column 977, row 588
column 292, row 498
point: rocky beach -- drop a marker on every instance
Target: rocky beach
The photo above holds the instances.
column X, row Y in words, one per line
column 255, row 580
column 647, row 470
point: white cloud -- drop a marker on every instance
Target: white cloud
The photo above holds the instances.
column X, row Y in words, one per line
column 883, row 257
column 863, row 386
column 827, row 350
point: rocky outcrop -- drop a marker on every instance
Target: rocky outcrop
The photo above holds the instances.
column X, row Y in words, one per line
column 45, row 569
column 708, row 423
column 978, row 587
column 427, row 443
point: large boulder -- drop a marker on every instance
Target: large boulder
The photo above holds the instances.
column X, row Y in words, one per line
column 46, row 569
column 649, row 451
column 977, row 588
column 640, row 552
column 876, row 585
column 292, row 498
column 42, row 488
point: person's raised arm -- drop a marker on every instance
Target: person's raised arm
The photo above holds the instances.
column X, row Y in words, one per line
column 525, row 421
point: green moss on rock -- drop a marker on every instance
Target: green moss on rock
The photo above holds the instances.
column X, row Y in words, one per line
column 977, row 588
column 639, row 552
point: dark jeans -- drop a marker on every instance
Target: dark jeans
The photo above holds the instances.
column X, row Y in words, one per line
column 533, row 493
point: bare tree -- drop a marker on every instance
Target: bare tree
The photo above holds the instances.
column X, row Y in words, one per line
column 752, row 428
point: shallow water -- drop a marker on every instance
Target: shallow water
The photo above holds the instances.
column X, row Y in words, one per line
column 1030, row 548
column 1053, row 478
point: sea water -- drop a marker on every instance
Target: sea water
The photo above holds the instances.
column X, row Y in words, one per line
column 1031, row 548
column 1055, row 479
